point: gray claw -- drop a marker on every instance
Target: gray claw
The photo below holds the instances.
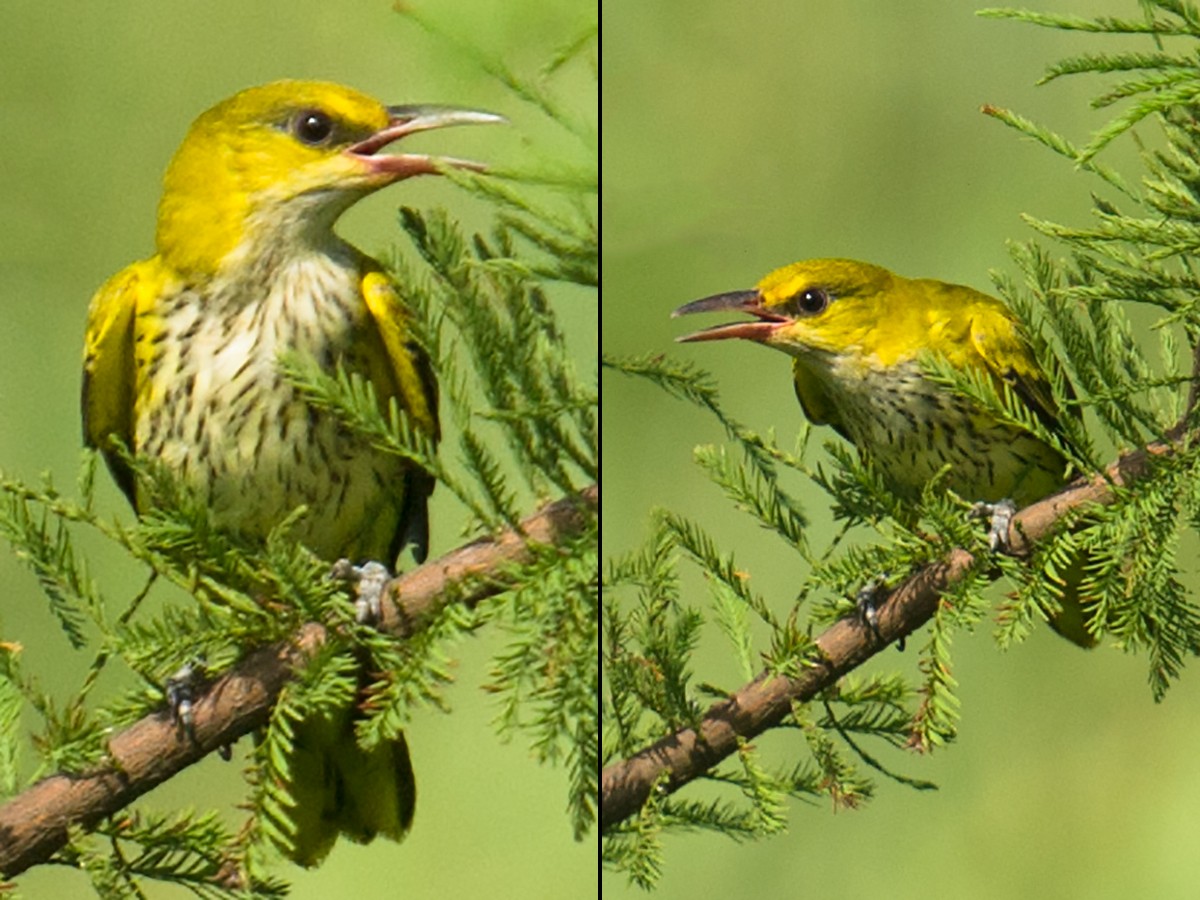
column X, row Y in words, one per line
column 864, row 601
column 369, row 580
column 1001, row 514
column 180, row 689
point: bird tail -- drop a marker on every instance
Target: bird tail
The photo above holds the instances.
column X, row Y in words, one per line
column 340, row 788
column 1074, row 616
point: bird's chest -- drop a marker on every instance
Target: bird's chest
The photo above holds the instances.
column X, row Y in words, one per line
column 215, row 408
column 913, row 428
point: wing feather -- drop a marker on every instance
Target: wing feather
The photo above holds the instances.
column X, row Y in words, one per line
column 1007, row 355
column 415, row 391
column 109, row 372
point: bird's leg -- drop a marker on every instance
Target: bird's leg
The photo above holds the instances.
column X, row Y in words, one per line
column 1001, row 516
column 369, row 581
column 181, row 690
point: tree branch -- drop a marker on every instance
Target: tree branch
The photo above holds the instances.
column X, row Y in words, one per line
column 33, row 825
column 767, row 700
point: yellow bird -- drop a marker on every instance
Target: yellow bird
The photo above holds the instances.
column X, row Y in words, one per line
column 181, row 367
column 856, row 334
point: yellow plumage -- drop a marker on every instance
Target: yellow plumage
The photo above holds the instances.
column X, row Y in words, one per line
column 181, row 366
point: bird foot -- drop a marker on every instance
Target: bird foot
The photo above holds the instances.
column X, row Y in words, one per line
column 181, row 689
column 865, row 601
column 1001, row 517
column 369, row 581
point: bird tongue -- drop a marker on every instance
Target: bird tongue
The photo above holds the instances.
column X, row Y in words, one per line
column 750, row 331
column 406, row 120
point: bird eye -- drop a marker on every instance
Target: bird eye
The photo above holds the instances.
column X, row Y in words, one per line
column 811, row 301
column 312, row 127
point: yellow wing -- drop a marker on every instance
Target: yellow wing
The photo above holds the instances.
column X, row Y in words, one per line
column 415, row 390
column 1006, row 354
column 108, row 366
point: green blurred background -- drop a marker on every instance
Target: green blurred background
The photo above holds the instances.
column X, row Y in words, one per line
column 741, row 139
column 95, row 98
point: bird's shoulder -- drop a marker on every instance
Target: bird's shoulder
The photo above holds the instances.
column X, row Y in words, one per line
column 407, row 360
column 999, row 341
column 117, row 300
column 109, row 343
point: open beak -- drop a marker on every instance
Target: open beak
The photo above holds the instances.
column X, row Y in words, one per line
column 406, row 120
column 742, row 301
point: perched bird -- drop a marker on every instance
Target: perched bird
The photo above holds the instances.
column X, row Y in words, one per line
column 181, row 367
column 856, row 334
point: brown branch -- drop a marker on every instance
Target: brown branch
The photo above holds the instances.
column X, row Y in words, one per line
column 767, row 700
column 33, row 825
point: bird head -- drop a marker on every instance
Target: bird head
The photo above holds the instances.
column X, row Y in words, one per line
column 277, row 164
column 823, row 305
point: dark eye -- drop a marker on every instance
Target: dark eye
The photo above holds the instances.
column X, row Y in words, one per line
column 312, row 127
column 812, row 301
